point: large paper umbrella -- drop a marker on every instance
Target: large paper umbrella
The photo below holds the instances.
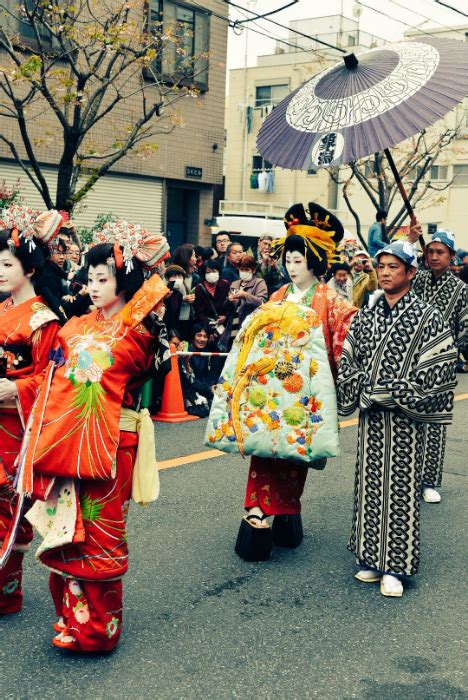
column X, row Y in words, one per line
column 366, row 104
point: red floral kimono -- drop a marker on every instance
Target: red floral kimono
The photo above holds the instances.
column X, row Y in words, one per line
column 81, row 462
column 276, row 485
column 27, row 333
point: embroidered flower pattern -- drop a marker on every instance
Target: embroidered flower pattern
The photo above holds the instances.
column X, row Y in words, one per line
column 81, row 612
column 112, row 627
column 88, row 359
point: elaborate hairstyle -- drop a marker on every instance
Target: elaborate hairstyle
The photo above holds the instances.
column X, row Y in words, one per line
column 126, row 281
column 319, row 230
column 298, row 244
column 30, row 258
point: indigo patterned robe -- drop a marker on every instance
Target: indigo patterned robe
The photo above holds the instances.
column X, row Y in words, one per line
column 398, row 368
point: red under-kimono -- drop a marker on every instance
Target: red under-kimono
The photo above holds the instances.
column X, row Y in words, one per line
column 27, row 333
column 276, row 485
column 80, row 455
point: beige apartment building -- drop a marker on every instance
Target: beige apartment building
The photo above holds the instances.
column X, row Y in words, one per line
column 253, row 93
column 173, row 190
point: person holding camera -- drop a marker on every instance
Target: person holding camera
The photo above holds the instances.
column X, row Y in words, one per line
column 269, row 268
column 364, row 278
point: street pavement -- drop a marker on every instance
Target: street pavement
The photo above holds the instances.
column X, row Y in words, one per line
column 201, row 623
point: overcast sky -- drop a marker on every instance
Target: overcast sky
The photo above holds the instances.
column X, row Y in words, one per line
column 423, row 15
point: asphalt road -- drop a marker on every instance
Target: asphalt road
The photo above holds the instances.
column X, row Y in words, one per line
column 201, row 623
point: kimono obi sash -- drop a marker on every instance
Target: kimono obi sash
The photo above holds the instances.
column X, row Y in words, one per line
column 276, row 396
column 18, row 356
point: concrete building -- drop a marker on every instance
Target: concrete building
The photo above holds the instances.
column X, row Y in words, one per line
column 253, row 93
column 174, row 189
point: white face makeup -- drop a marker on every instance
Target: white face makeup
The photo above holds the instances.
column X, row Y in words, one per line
column 102, row 287
column 12, row 275
column 296, row 266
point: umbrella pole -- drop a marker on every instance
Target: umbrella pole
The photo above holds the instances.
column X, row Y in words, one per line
column 403, row 193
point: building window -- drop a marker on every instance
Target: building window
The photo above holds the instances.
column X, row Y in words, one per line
column 184, row 60
column 439, row 172
column 259, row 164
column 270, row 94
column 460, row 175
column 311, row 171
column 435, row 172
column 16, row 23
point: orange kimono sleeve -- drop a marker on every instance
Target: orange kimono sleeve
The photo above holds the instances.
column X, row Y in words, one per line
column 43, row 340
column 340, row 313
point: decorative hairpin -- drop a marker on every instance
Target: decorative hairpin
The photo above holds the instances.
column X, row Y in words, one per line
column 132, row 241
column 30, row 224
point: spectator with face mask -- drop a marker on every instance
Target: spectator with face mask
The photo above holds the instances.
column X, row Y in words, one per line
column 174, row 277
column 211, row 304
column 246, row 293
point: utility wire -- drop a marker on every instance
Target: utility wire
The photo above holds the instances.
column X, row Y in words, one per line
column 300, row 49
column 294, row 31
column 430, row 19
column 272, row 12
column 233, row 23
column 451, row 7
column 400, row 21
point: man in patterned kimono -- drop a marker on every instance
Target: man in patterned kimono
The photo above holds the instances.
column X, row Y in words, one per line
column 398, row 368
column 439, row 287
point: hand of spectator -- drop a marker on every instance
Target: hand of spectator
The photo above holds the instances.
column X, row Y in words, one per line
column 68, row 297
column 175, row 341
column 222, row 319
column 8, row 390
column 189, row 298
column 83, row 291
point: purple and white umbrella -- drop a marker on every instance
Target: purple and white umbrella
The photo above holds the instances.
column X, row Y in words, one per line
column 366, row 104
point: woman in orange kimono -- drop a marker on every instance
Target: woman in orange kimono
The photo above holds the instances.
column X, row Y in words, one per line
column 79, row 456
column 27, row 333
column 275, row 486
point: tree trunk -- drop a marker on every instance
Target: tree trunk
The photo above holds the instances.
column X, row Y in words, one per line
column 65, row 174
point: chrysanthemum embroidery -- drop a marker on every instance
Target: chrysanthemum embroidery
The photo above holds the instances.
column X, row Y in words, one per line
column 88, row 359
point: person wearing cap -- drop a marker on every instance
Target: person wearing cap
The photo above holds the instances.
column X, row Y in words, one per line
column 442, row 289
column 363, row 276
column 398, row 369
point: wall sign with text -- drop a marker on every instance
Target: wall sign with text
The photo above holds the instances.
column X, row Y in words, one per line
column 192, row 171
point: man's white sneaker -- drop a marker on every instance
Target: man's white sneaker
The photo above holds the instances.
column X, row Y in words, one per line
column 391, row 586
column 368, row 576
column 430, row 495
